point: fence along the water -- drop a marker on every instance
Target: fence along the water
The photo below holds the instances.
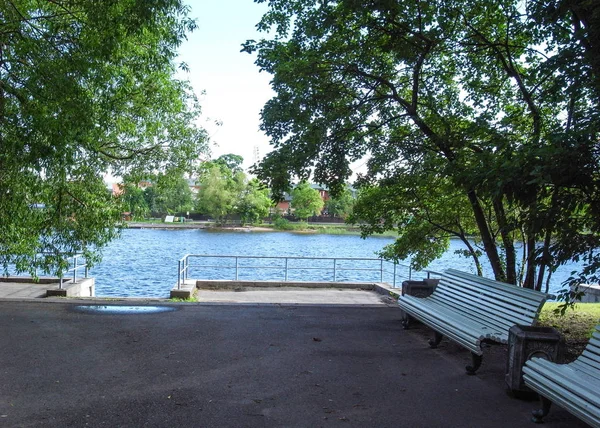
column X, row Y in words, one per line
column 74, row 264
column 286, row 269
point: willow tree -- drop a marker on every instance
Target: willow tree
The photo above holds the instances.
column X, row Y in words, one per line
column 86, row 87
column 488, row 104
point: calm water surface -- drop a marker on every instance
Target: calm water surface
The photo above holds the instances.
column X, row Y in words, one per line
column 143, row 263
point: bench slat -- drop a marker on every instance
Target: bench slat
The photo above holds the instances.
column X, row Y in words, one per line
column 495, row 284
column 515, row 301
column 568, row 401
column 454, row 324
column 508, row 292
column 497, row 310
column 574, row 386
column 590, row 368
column 508, row 301
column 485, row 318
column 569, row 378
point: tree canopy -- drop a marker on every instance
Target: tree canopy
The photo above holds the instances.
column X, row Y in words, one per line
column 306, row 201
column 340, row 204
column 492, row 106
column 86, row 87
column 226, row 190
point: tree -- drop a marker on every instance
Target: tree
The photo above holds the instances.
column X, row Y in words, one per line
column 491, row 101
column 306, row 201
column 171, row 194
column 86, row 87
column 225, row 190
column 253, row 202
column 426, row 216
column 215, row 196
column 340, row 205
column 134, row 201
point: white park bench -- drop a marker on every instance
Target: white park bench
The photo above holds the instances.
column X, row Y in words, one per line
column 574, row 386
column 470, row 310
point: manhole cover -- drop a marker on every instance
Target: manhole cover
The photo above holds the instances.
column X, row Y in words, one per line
column 118, row 309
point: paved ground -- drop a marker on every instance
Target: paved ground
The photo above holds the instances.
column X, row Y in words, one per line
column 225, row 365
column 20, row 290
column 296, row 295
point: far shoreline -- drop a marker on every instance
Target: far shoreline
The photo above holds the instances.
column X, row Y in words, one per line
column 314, row 228
column 197, row 225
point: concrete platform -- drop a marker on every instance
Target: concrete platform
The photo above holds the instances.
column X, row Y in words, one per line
column 22, row 288
column 230, row 365
column 296, row 295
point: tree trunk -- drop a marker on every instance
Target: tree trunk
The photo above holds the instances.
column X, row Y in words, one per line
column 530, row 268
column 488, row 241
column 549, row 223
column 507, row 240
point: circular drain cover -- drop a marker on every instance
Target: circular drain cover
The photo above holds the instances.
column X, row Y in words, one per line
column 118, row 309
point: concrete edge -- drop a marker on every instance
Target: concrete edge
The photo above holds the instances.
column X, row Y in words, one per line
column 188, row 288
column 241, row 285
column 387, row 289
column 83, row 287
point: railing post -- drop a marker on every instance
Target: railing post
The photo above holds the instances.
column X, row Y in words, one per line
column 236, row 268
column 179, row 275
column 395, row 265
column 74, row 269
column 334, row 270
column 186, row 263
column 286, row 269
column 381, row 271
column 410, row 273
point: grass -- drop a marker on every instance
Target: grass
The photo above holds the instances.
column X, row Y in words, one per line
column 193, row 299
column 576, row 325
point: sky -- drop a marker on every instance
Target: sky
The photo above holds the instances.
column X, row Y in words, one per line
column 234, row 89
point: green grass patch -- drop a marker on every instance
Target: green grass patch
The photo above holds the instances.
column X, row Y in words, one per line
column 577, row 325
column 193, row 299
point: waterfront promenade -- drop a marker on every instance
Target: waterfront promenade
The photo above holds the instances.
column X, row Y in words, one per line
column 243, row 365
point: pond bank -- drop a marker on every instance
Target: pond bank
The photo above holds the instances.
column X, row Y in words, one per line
column 312, row 228
column 198, row 225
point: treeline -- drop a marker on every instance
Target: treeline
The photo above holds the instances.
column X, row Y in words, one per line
column 223, row 192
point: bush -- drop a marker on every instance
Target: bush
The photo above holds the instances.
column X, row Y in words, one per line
column 283, row 224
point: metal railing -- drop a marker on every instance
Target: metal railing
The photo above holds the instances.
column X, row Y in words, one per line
column 336, row 269
column 74, row 267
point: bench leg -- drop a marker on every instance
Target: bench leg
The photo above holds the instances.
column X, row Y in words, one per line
column 540, row 413
column 405, row 321
column 476, row 359
column 437, row 338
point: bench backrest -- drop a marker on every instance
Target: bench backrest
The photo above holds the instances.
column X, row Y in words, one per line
column 493, row 303
column 589, row 360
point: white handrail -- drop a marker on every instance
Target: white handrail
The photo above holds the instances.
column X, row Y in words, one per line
column 335, row 266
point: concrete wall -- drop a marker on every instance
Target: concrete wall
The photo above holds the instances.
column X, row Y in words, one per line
column 84, row 287
column 592, row 293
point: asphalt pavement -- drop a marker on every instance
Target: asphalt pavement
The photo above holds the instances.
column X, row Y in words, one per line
column 242, row 365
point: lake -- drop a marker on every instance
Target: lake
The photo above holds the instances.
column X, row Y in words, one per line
column 143, row 262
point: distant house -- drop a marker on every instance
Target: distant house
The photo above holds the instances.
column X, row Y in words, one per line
column 193, row 185
column 323, row 191
column 144, row 184
column 117, row 189
column 284, row 206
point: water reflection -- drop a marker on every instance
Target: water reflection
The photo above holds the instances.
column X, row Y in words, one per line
column 119, row 309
